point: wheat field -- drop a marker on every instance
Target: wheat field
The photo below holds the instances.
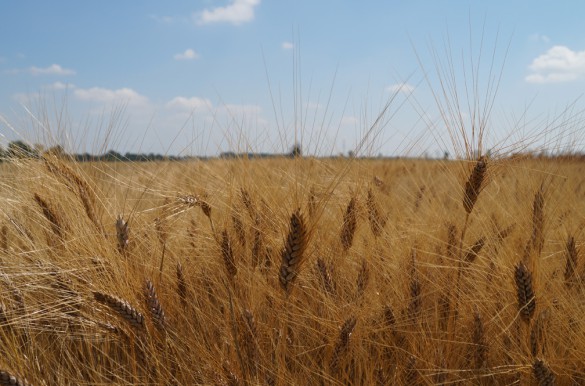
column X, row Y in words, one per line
column 289, row 271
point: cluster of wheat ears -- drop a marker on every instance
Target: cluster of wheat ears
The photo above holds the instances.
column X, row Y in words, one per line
column 292, row 271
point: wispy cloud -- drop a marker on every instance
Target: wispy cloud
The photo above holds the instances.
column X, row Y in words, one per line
column 558, row 64
column 53, row 69
column 401, row 87
column 236, row 13
column 189, row 104
column 287, row 46
column 26, row 98
column 188, row 54
column 349, row 120
column 536, row 37
column 104, row 95
column 61, row 86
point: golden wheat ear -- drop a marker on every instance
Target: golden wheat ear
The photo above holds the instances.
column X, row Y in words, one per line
column 122, row 234
column 342, row 343
column 525, row 291
column 156, row 311
column 293, row 253
column 228, row 255
column 474, row 184
column 349, row 224
column 543, row 374
column 122, row 308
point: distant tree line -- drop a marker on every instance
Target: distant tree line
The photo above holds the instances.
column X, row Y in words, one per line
column 20, row 150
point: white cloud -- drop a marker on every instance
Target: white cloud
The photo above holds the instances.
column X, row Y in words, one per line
column 558, row 64
column 237, row 12
column 189, row 54
column 61, row 86
column 287, row 46
column 104, row 95
column 401, row 87
column 189, row 104
column 53, row 69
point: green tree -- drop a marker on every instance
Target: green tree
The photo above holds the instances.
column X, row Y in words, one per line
column 19, row 149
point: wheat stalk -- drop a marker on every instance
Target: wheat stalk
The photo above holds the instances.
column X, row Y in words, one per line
column 181, row 285
column 4, row 238
column 415, row 304
column 571, row 260
column 239, row 227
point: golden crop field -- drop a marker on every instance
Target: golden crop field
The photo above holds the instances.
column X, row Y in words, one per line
column 293, row 272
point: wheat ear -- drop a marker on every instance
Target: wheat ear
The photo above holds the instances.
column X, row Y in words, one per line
column 525, row 291
column 572, row 260
column 474, row 184
column 537, row 238
column 154, row 306
column 342, row 343
column 228, row 255
column 375, row 217
column 293, row 253
column 50, row 214
column 349, row 224
column 471, row 255
column 7, row 379
column 543, row 373
column 122, row 307
column 480, row 349
column 122, row 234
column 325, row 276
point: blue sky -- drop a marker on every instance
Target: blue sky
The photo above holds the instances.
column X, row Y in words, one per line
column 201, row 77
